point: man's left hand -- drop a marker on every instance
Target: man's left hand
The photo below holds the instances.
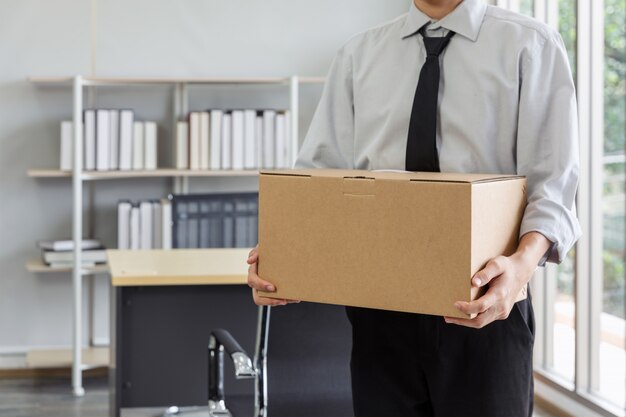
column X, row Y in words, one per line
column 505, row 276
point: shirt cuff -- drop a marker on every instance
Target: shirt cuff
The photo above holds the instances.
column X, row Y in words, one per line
column 558, row 224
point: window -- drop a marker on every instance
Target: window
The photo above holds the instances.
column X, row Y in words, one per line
column 581, row 343
column 612, row 361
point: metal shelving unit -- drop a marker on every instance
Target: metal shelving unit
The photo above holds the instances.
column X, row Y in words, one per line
column 80, row 85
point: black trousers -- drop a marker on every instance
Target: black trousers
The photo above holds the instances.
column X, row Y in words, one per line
column 406, row 365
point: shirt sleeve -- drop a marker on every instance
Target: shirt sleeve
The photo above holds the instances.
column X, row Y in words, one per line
column 330, row 140
column 547, row 147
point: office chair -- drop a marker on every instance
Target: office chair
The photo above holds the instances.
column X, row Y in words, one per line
column 301, row 366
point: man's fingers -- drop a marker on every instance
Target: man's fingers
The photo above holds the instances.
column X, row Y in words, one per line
column 253, row 256
column 257, row 283
column 478, row 322
column 266, row 301
column 478, row 306
column 493, row 269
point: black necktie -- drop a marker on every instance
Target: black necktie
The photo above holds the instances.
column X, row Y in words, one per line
column 421, row 147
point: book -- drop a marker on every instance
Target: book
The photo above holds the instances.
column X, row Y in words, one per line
column 238, row 139
column 138, row 146
column 134, row 228
column 269, row 119
column 205, row 151
column 166, row 223
column 123, row 224
column 126, row 140
column 258, row 134
column 67, row 146
column 289, row 160
column 216, row 139
column 157, row 225
column 182, row 145
column 150, row 145
column 70, row 264
column 89, row 140
column 146, row 236
column 194, row 140
column 227, row 155
column 67, row 244
column 250, row 148
column 102, row 139
column 280, row 141
column 92, row 256
column 114, row 139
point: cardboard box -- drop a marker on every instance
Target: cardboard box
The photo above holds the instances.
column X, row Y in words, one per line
column 387, row 240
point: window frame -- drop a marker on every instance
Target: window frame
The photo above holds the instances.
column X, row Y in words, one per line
column 588, row 263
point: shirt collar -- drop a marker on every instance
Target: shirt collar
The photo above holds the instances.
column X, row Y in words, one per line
column 465, row 20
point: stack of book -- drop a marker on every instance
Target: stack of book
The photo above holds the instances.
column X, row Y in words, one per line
column 234, row 139
column 60, row 253
column 112, row 140
column 144, row 225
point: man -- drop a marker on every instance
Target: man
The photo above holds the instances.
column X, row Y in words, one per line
column 494, row 95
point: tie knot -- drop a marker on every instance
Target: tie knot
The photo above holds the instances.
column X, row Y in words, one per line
column 435, row 46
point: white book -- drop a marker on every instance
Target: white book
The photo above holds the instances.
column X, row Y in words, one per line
column 205, row 133
column 216, row 139
column 146, row 235
column 135, row 242
column 114, row 139
column 89, row 140
column 238, row 139
column 157, row 225
column 166, row 223
column 68, row 245
column 182, row 145
column 288, row 142
column 250, row 148
column 123, row 224
column 102, row 139
column 194, row 140
column 227, row 141
column 269, row 123
column 138, row 145
column 89, row 256
column 67, row 146
column 126, row 140
column 150, row 146
column 280, row 141
column 259, row 138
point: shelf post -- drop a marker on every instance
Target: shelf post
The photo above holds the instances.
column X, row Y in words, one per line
column 294, row 90
column 77, row 232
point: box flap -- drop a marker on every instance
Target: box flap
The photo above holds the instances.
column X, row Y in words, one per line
column 456, row 177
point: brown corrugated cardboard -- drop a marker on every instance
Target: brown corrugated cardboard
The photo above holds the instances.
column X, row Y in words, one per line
column 387, row 240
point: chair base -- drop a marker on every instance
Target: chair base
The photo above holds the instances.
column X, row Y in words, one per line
column 196, row 411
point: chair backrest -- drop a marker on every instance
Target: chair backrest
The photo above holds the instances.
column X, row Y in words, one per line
column 308, row 360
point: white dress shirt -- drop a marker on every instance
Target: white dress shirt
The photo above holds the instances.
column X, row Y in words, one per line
column 506, row 105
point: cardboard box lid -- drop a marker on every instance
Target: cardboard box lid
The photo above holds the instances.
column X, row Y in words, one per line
column 455, row 177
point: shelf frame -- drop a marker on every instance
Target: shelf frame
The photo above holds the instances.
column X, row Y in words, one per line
column 80, row 85
column 158, row 173
column 125, row 81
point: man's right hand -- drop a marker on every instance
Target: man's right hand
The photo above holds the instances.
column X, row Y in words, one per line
column 257, row 284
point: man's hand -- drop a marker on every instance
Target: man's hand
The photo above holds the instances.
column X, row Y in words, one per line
column 505, row 276
column 257, row 284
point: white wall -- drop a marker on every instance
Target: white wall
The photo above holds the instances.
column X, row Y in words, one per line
column 131, row 38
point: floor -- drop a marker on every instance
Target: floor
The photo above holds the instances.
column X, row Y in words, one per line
column 51, row 397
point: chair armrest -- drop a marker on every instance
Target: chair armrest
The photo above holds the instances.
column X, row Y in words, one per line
column 241, row 360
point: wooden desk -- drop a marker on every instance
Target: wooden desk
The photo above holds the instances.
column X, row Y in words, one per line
column 164, row 305
column 178, row 267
